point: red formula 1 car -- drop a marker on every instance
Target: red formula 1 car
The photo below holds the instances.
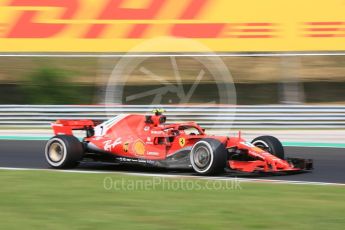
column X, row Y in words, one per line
column 149, row 140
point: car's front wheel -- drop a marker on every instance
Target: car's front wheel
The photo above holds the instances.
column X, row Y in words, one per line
column 63, row 151
column 208, row 157
column 270, row 144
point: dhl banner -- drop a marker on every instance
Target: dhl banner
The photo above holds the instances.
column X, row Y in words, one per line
column 220, row 25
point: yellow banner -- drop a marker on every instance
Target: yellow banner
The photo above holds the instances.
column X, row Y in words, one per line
column 219, row 25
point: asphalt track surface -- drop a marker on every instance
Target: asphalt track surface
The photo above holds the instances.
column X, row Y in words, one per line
column 329, row 163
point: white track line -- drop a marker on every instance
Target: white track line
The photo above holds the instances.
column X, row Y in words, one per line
column 177, row 176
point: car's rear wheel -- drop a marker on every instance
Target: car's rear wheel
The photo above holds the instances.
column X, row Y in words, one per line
column 63, row 152
column 271, row 145
column 208, row 157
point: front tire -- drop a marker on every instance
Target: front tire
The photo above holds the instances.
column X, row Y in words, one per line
column 271, row 145
column 63, row 152
column 208, row 157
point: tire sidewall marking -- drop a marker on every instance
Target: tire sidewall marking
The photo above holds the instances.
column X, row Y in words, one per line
column 263, row 143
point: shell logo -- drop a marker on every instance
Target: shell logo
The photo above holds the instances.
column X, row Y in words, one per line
column 139, row 148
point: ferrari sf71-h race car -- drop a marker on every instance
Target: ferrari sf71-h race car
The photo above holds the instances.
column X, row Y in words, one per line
column 150, row 141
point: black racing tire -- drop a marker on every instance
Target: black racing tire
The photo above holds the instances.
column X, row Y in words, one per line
column 270, row 144
column 63, row 152
column 208, row 157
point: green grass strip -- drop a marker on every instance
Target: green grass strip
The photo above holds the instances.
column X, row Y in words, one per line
column 53, row 200
column 313, row 144
column 24, row 138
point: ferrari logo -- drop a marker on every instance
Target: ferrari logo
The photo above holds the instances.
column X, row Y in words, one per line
column 182, row 141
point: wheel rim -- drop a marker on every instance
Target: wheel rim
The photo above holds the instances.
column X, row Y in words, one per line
column 56, row 152
column 202, row 157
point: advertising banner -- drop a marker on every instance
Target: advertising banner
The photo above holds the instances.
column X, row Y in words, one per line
column 220, row 25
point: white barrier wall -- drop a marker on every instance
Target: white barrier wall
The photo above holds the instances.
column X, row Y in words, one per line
column 215, row 117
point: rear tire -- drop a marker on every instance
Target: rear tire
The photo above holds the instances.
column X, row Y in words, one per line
column 271, row 145
column 64, row 152
column 208, row 157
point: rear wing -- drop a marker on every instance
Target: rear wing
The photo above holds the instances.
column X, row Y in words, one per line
column 66, row 127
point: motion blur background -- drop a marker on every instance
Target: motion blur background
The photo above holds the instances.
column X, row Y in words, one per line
column 101, row 28
column 64, row 53
column 258, row 80
column 286, row 60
